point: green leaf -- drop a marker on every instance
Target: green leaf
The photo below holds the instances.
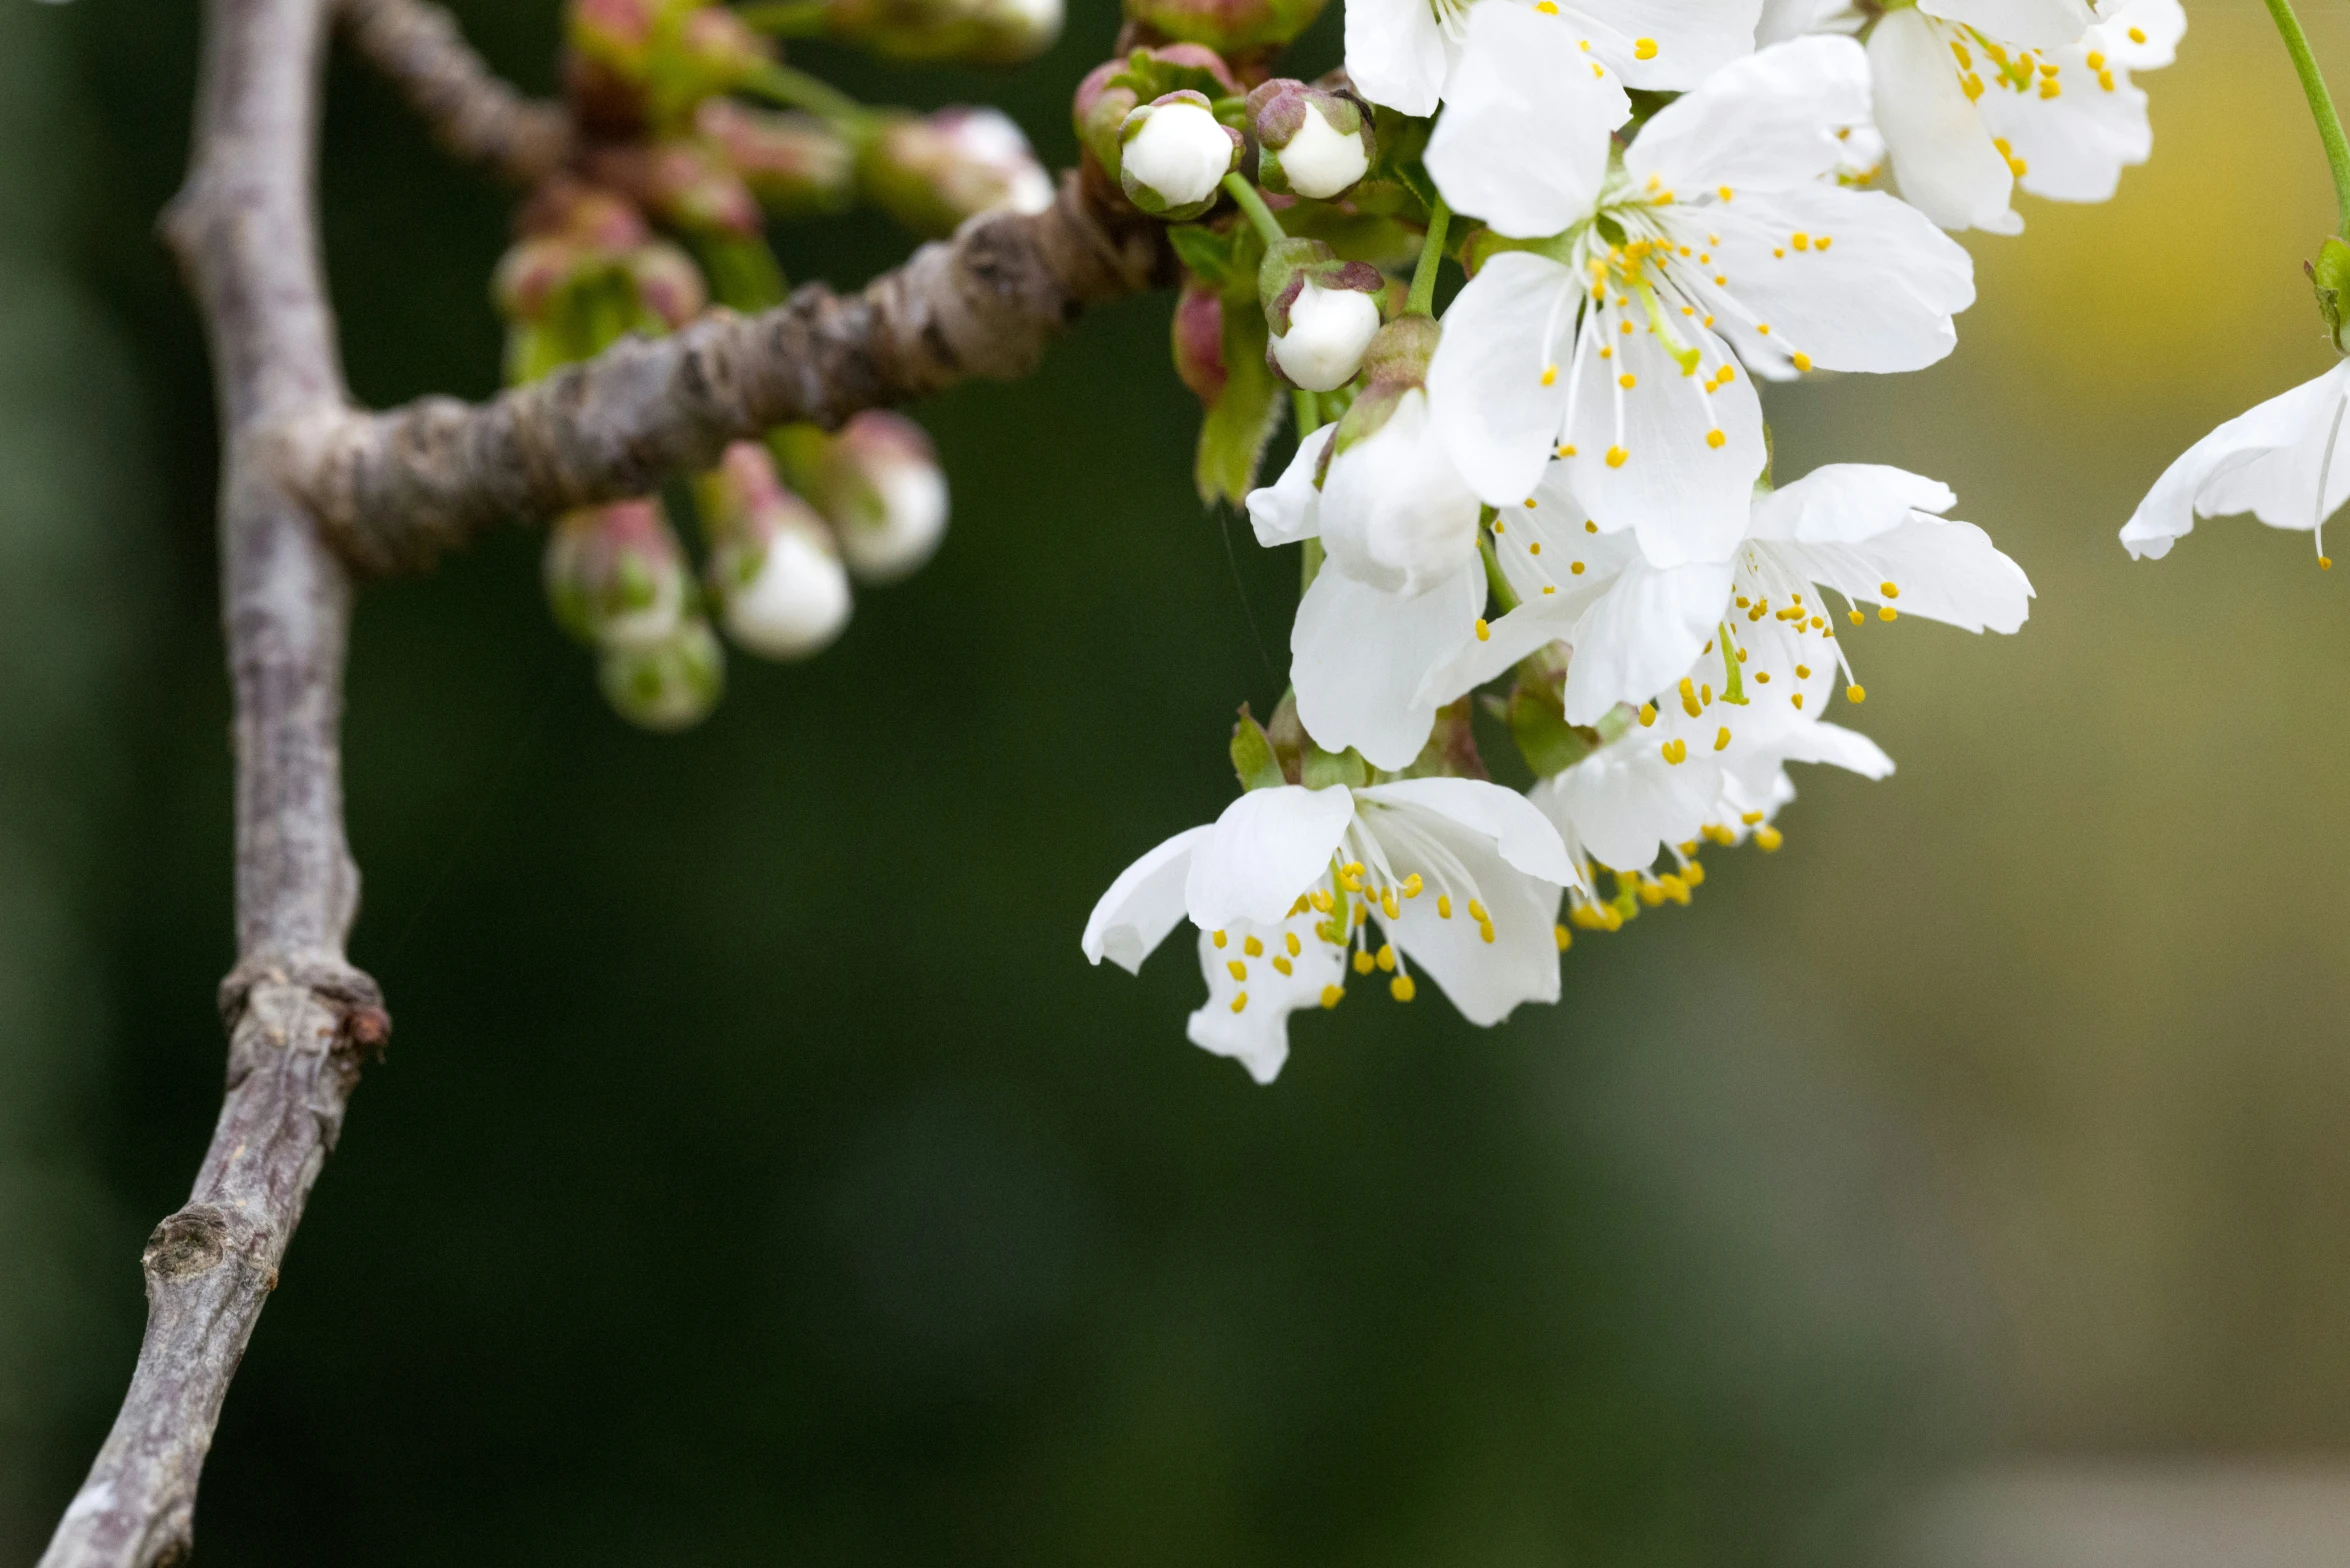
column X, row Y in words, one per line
column 1252, row 754
column 1232, row 438
column 1537, row 717
column 1324, row 769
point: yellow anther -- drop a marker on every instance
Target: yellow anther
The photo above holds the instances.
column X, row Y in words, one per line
column 1768, row 838
column 1675, row 751
column 1643, row 48
column 1412, row 885
column 1550, row 588
column 2049, row 87
column 1803, row 362
column 1390, row 904
column 1364, row 962
column 1750, row 818
column 1564, row 937
column 1802, row 241
column 1485, row 933
column 1239, row 969
column 2325, row 563
column 1716, row 439
column 1651, row 894
column 1625, row 328
column 1547, row 7
column 1823, row 242
column 1321, row 900
column 1444, row 906
column 1855, row 694
column 1722, row 737
column 1803, row 672
column 1688, row 697
column 1574, row 568
column 1674, row 888
column 1727, row 374
column 1723, row 191
column 1283, row 965
column 1709, row 647
column 1217, row 938
column 1240, row 1001
column 1589, row 526
column 1615, row 459
column 1627, row 380
column 1290, row 941
column 1693, row 874
column 1484, row 632
column 1300, row 907
column 1566, row 451
column 1743, row 602
column 1857, row 617
column 1817, row 623
column 1550, row 375
column 1385, row 957
column 1332, row 995
column 1798, row 700
column 1886, row 612
column 1535, row 548
column 2137, row 35
column 1762, row 677
column 1647, row 714
column 1889, row 590
column 1401, row 987
column 1529, row 503
column 1477, row 912
column 1252, row 947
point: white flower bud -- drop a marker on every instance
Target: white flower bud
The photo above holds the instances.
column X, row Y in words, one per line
column 669, row 685
column 1320, row 162
column 1176, row 153
column 794, row 600
column 1328, row 331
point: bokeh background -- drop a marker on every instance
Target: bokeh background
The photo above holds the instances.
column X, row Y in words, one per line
column 759, row 1175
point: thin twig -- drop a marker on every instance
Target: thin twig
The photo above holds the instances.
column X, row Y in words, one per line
column 473, row 114
column 300, row 1018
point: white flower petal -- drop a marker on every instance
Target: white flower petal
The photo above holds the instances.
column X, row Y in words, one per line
column 2267, row 461
column 1142, row 906
column 1843, row 503
column 1766, row 122
column 2159, row 24
column 1942, row 155
column 1498, row 417
column 1946, row 571
column 1523, row 142
column 1624, row 802
column 1359, row 656
column 2075, row 145
column 1289, row 509
column 2036, row 24
column 1397, row 53
column 1642, row 634
column 1689, row 39
column 1485, row 980
column 1395, row 511
column 1256, row 1032
column 1520, row 834
column 1266, row 849
column 1879, row 298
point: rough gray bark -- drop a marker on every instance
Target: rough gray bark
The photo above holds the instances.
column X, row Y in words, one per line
column 299, row 1017
column 395, row 489
column 472, row 114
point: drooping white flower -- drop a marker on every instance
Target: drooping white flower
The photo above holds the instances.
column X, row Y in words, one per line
column 2285, row 462
column 1402, row 583
column 1865, row 531
column 1461, row 878
column 1404, row 53
column 1720, row 242
column 1975, row 97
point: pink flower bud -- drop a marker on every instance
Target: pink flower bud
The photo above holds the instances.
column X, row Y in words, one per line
column 1321, row 313
column 687, row 185
column 1199, row 341
column 795, row 164
column 773, row 566
column 1310, row 141
column 931, row 172
column 616, row 574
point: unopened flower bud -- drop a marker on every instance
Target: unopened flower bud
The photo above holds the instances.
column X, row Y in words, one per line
column 1322, row 313
column 667, row 685
column 1108, row 95
column 638, row 65
column 982, row 32
column 1173, row 153
column 879, row 484
column 1228, row 26
column 668, row 285
column 685, row 184
column 773, row 567
column 930, row 172
column 1310, row 141
column 1396, row 362
column 616, row 575
column 795, row 164
column 1199, row 341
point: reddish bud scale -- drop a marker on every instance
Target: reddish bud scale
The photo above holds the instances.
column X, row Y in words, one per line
column 1199, row 341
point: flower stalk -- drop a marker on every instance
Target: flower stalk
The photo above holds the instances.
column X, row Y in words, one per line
column 2321, row 107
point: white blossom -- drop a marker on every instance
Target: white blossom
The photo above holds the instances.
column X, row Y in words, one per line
column 1719, row 243
column 2283, row 462
column 1404, row 53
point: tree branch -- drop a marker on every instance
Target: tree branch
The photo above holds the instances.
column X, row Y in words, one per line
column 299, row 1017
column 473, row 114
column 395, row 489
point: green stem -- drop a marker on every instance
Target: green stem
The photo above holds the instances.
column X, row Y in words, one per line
column 1422, row 300
column 1267, row 226
column 798, row 90
column 786, row 18
column 2321, row 107
column 1503, row 593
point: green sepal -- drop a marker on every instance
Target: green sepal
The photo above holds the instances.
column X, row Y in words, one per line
column 2329, row 277
column 1451, row 750
column 1150, row 78
column 1288, row 737
column 1480, row 245
column 1323, row 769
column 1226, row 259
column 1252, row 754
column 743, row 272
column 1233, row 435
column 1537, row 716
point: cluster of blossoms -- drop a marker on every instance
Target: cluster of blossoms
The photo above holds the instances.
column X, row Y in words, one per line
column 693, row 136
column 1550, row 513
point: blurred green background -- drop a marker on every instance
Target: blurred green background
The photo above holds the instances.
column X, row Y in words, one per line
column 760, row 1175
